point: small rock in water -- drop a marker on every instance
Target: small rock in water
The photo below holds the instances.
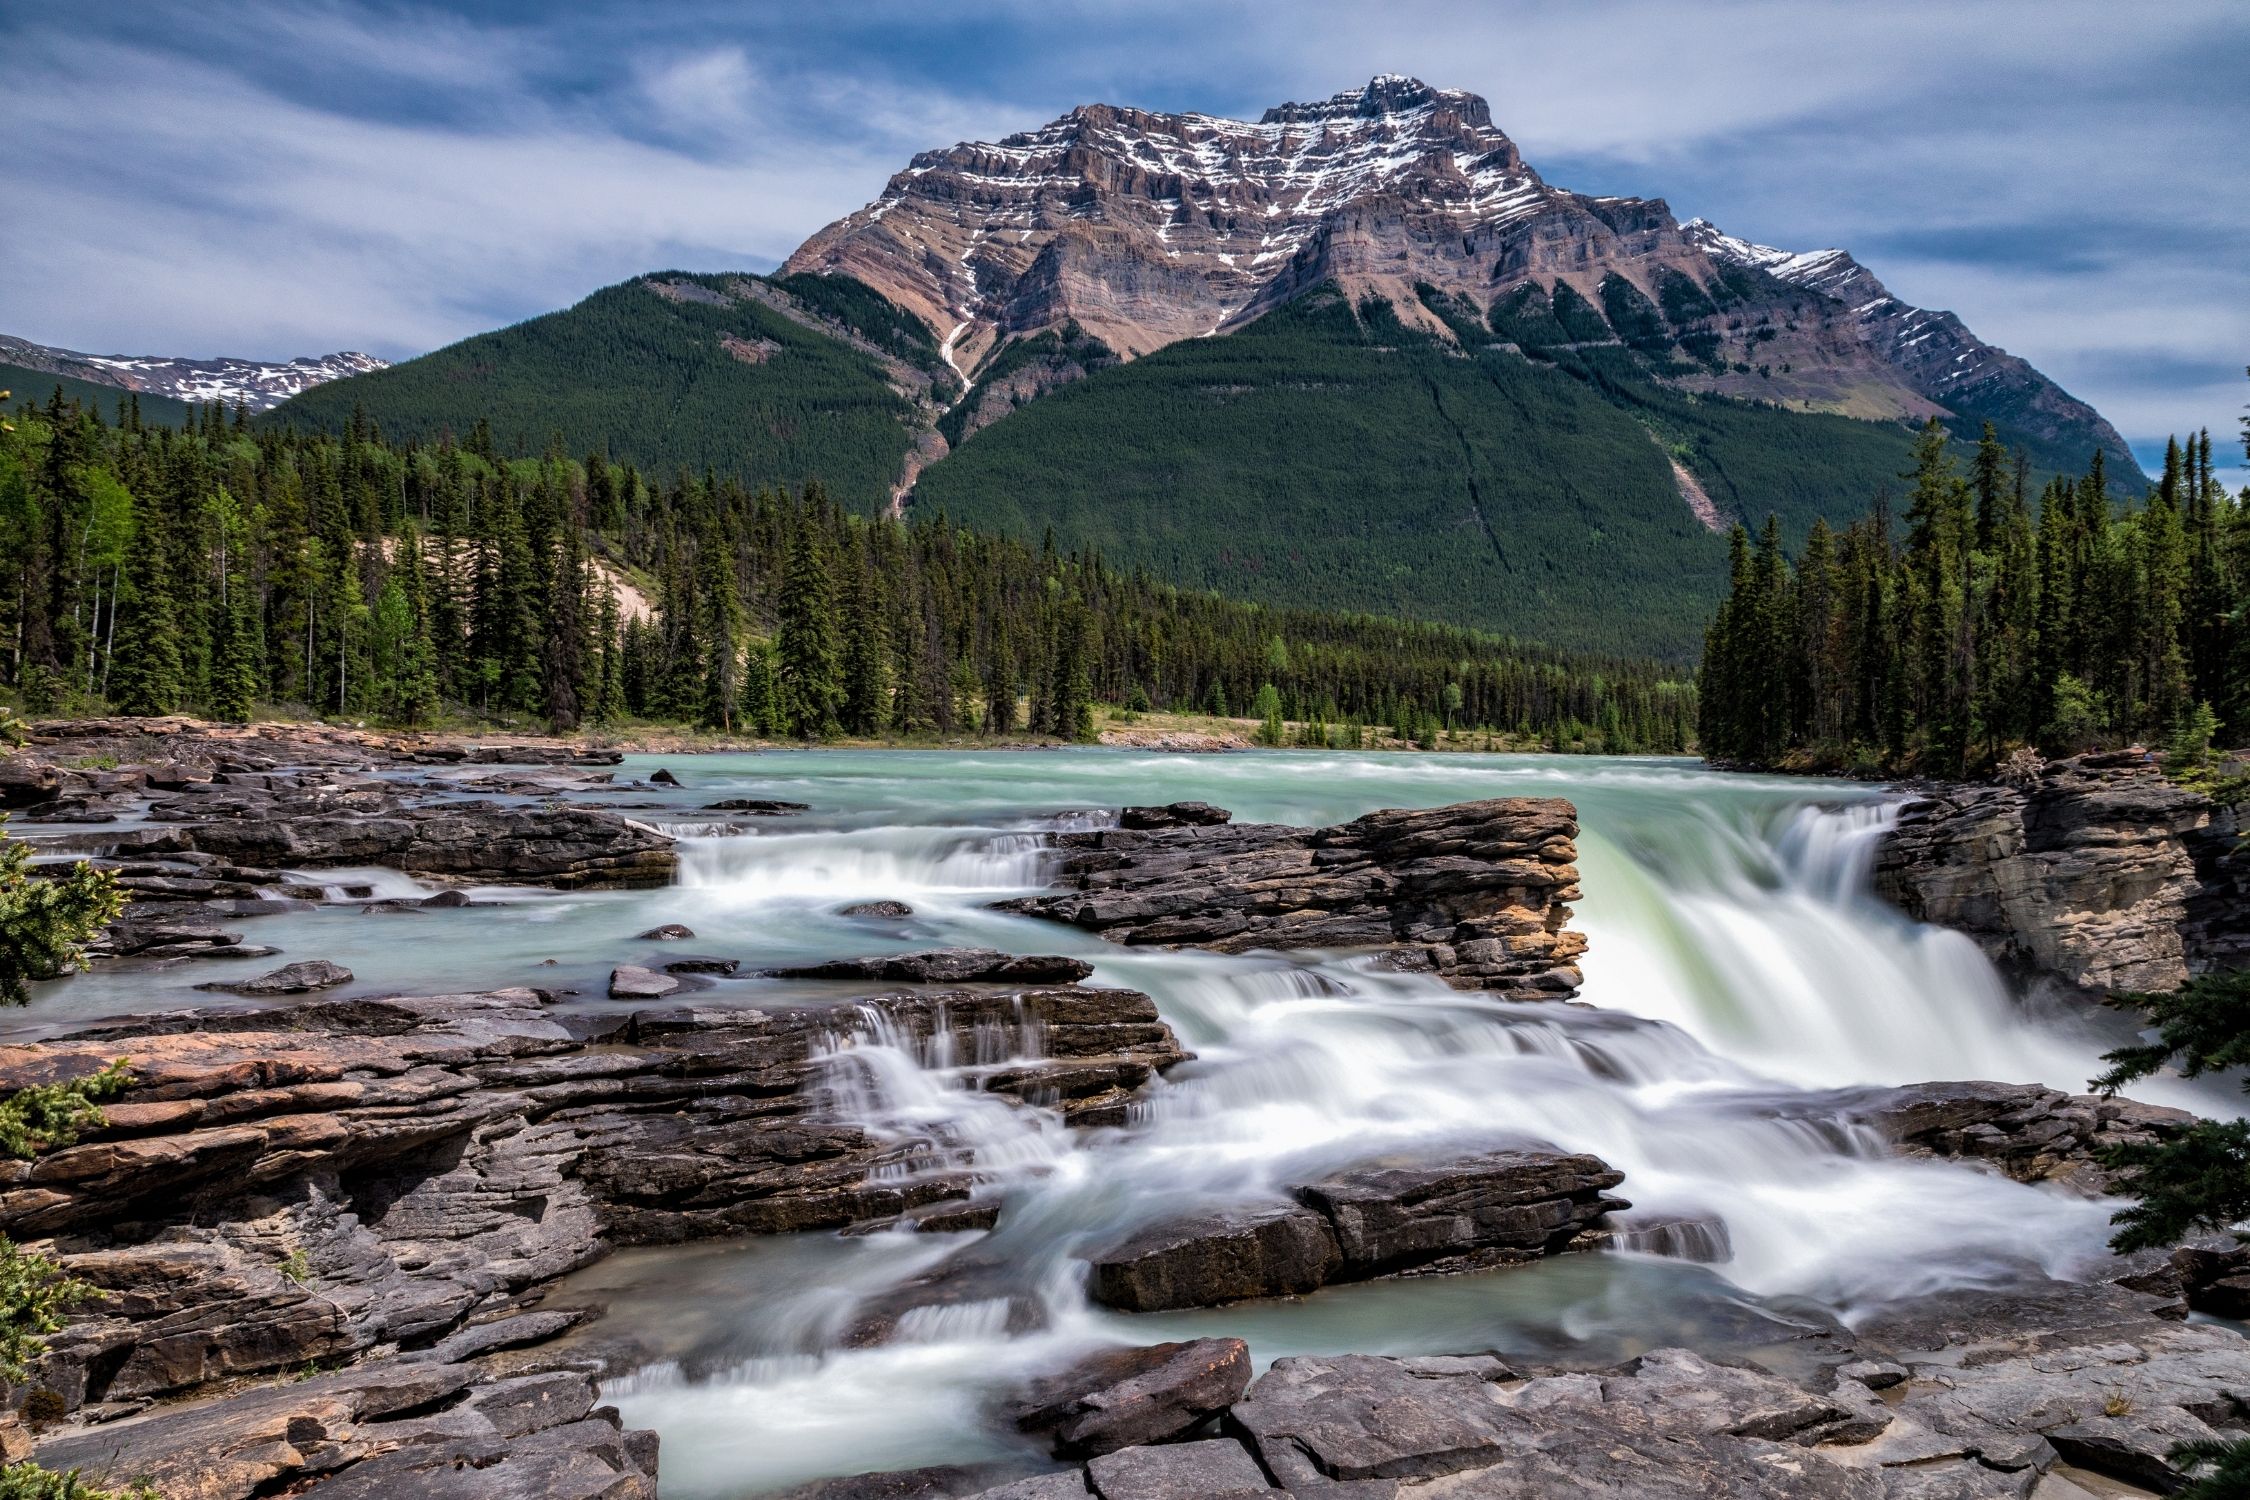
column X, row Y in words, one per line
column 447, row 899
column 632, row 982
column 703, row 966
column 1122, row 1397
column 875, row 909
column 764, row 807
column 662, row 777
column 1174, row 815
column 670, row 932
column 948, row 966
column 290, row 979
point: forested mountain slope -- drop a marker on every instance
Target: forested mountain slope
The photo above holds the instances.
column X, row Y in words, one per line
column 1330, row 455
column 766, row 381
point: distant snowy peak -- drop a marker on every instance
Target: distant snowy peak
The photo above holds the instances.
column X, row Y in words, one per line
column 255, row 384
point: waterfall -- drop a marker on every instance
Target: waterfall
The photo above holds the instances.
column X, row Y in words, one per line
column 1740, row 972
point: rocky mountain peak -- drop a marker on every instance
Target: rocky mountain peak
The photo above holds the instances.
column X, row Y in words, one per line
column 1385, row 94
column 1120, row 230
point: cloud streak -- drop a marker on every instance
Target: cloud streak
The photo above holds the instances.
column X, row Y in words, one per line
column 388, row 176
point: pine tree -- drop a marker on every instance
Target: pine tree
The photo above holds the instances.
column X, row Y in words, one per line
column 1074, row 684
column 147, row 675
column 867, row 688
column 811, row 693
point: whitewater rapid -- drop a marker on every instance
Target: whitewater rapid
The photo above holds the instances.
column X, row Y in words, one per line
column 1740, row 976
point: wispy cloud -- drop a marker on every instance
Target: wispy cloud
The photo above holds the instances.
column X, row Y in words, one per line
column 2065, row 174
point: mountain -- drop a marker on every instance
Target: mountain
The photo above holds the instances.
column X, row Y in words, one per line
column 1143, row 229
column 1939, row 357
column 255, row 384
column 771, row 380
column 1356, row 354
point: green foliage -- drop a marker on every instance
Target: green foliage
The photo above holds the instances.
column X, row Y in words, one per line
column 2217, row 1469
column 29, row 1481
column 707, row 377
column 113, row 403
column 296, row 1268
column 1989, row 630
column 1327, row 456
column 45, row 922
column 2199, row 1179
column 49, row 1116
column 403, row 582
column 35, row 1293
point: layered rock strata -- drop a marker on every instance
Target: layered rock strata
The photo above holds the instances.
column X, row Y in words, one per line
column 1477, row 893
column 1381, row 1218
column 350, row 1178
column 2101, row 874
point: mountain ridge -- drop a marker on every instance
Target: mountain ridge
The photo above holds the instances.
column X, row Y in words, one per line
column 1141, row 228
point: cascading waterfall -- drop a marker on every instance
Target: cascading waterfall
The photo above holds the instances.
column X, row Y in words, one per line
column 1739, row 973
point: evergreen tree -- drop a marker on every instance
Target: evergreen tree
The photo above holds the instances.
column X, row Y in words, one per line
column 148, row 676
column 1073, row 675
column 867, row 688
column 811, row 694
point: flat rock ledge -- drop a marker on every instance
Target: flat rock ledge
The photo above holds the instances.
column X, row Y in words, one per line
column 2029, row 1133
column 1962, row 1396
column 377, row 1181
column 1475, row 893
column 1381, row 1218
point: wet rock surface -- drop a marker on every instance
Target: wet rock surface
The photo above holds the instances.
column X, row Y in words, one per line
column 948, row 966
column 392, row 1179
column 2100, row 874
column 1960, row 1396
column 1120, row 1398
column 2031, row 1134
column 1477, row 892
column 299, row 978
column 1381, row 1218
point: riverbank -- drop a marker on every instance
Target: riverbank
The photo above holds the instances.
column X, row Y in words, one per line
column 403, row 1186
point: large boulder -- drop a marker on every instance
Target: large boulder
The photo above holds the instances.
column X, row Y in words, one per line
column 1122, row 1397
column 567, row 847
column 2030, row 1133
column 1376, row 1219
column 300, row 978
column 1228, row 1255
column 1401, row 1213
column 1476, row 893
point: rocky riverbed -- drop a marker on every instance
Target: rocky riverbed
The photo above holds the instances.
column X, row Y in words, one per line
column 330, row 1228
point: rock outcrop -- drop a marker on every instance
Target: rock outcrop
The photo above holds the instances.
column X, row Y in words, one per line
column 1973, row 1395
column 2030, row 1133
column 1381, row 1218
column 1476, row 893
column 2101, row 875
column 340, row 1179
column 1120, row 1398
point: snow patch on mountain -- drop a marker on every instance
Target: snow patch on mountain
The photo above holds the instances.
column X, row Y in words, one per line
column 257, row 385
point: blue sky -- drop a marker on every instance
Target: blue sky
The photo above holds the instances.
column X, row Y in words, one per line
column 272, row 180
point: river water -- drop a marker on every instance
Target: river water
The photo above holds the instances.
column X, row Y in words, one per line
column 1740, row 975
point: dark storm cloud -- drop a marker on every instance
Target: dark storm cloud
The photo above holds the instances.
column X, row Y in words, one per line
column 285, row 179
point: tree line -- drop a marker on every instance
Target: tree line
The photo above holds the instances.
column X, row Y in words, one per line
column 227, row 569
column 1992, row 624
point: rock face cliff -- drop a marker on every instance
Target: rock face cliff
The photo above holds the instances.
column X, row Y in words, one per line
column 2101, row 874
column 1477, row 893
column 1137, row 228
